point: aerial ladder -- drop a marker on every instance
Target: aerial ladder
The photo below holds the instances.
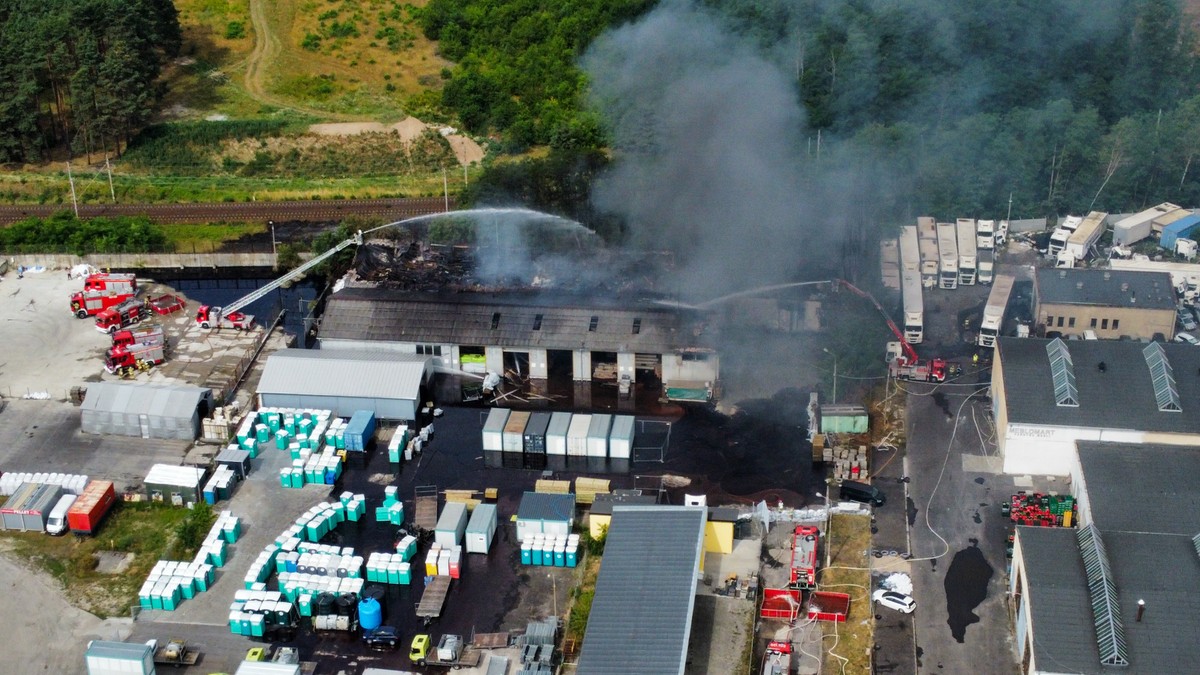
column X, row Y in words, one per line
column 902, row 359
column 230, row 315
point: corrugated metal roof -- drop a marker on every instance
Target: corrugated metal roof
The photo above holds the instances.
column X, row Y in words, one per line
column 170, row 474
column 546, row 506
column 173, row 401
column 131, row 651
column 641, row 616
column 1119, row 397
column 349, row 373
column 508, row 321
column 481, row 518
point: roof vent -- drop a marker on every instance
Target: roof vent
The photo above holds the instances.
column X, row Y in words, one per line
column 1062, row 274
column 1079, row 285
column 1125, row 286
column 1107, row 275
column 1102, row 366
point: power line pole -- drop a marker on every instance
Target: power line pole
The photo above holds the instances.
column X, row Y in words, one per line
column 446, row 189
column 71, row 180
column 108, row 168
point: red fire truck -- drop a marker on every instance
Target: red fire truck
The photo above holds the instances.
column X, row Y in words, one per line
column 126, row 361
column 804, row 557
column 125, row 314
column 111, row 283
column 90, row 303
column 151, row 334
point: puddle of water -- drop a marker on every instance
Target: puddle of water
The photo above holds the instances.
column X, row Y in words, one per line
column 912, row 512
column 966, row 587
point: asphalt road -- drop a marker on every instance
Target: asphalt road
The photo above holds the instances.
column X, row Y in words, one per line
column 296, row 210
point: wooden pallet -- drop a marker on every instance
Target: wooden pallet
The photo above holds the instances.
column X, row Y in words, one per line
column 491, row 640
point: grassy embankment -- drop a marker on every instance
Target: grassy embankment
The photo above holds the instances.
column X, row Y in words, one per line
column 850, row 642
column 149, row 531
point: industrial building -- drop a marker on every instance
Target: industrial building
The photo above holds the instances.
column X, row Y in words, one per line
column 718, row 529
column 144, row 410
column 388, row 384
column 1118, row 592
column 1110, row 303
column 539, row 337
column 641, row 617
column 1049, row 394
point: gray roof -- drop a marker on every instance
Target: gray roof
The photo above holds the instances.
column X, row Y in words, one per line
column 349, row 373
column 546, row 506
column 1059, row 602
column 173, row 401
column 1143, row 500
column 1105, row 288
column 133, row 651
column 603, row 506
column 1120, row 397
column 466, row 319
column 641, row 616
column 1142, row 488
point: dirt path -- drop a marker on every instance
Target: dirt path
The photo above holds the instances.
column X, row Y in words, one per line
column 267, row 48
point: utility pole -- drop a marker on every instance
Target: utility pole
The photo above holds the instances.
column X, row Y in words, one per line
column 1009, row 217
column 466, row 181
column 71, row 180
column 445, row 190
column 108, row 168
column 272, row 224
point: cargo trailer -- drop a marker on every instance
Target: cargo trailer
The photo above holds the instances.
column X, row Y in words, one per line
column 514, row 431
column 1132, row 229
column 556, row 433
column 597, row 437
column 29, row 507
column 577, row 435
column 947, row 238
column 104, row 657
column 535, row 433
column 360, row 431
column 967, row 254
column 96, row 500
column 493, row 429
column 620, row 439
column 1081, row 241
column 481, row 528
column 451, row 525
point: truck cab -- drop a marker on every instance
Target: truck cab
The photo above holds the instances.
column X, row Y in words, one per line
column 419, row 651
column 212, row 317
column 115, row 318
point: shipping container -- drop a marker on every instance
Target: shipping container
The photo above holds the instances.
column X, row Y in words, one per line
column 620, row 440
column 514, row 431
column 535, row 433
column 237, row 460
column 556, row 433
column 597, row 438
column 481, row 528
column 577, row 435
column 360, row 430
column 451, row 525
column 119, row 658
column 94, row 503
column 493, row 429
column 29, row 508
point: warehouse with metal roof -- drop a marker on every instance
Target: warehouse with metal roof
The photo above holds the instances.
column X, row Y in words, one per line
column 389, row 384
column 144, row 410
column 1077, row 591
column 539, row 336
column 1048, row 394
column 641, row 618
column 1109, row 303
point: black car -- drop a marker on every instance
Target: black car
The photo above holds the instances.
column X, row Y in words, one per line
column 384, row 638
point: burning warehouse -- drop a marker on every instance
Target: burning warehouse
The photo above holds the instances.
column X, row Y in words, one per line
column 548, row 339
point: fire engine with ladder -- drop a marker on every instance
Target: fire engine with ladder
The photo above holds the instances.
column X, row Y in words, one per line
column 902, row 360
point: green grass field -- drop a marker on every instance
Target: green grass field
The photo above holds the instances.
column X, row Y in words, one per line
column 849, row 643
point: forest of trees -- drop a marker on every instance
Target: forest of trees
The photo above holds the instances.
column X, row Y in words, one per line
column 81, row 73
column 1064, row 105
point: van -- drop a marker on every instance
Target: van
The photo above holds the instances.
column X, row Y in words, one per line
column 56, row 524
column 861, row 492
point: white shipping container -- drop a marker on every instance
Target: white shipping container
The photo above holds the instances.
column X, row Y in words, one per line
column 481, row 529
column 620, row 441
column 451, row 525
column 556, row 433
column 597, row 439
column 577, row 435
column 493, row 429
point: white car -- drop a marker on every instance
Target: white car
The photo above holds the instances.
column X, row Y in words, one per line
column 1187, row 337
column 893, row 600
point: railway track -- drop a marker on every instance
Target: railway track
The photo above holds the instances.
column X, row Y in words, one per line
column 282, row 211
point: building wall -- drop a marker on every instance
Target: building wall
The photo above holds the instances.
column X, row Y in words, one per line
column 1107, row 322
column 344, row 406
column 1050, row 450
column 597, row 522
column 999, row 401
column 1018, row 588
column 718, row 537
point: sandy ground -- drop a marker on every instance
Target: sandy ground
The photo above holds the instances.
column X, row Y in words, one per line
column 27, row 649
column 466, row 150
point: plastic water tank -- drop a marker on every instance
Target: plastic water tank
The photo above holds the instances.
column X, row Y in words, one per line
column 370, row 614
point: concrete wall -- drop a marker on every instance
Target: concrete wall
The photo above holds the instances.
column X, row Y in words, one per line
column 344, row 406
column 133, row 261
column 1131, row 322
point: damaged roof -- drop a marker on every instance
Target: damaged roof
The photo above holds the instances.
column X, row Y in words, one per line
column 511, row 320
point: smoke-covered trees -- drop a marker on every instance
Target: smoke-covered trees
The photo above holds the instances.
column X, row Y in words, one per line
column 80, row 71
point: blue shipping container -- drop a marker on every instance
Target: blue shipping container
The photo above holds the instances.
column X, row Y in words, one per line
column 359, row 430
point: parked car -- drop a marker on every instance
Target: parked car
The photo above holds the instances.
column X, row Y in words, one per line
column 893, row 600
column 1186, row 320
column 1187, row 337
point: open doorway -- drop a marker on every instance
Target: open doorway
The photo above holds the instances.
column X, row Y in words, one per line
column 472, row 360
column 516, row 366
column 604, row 365
column 648, row 371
